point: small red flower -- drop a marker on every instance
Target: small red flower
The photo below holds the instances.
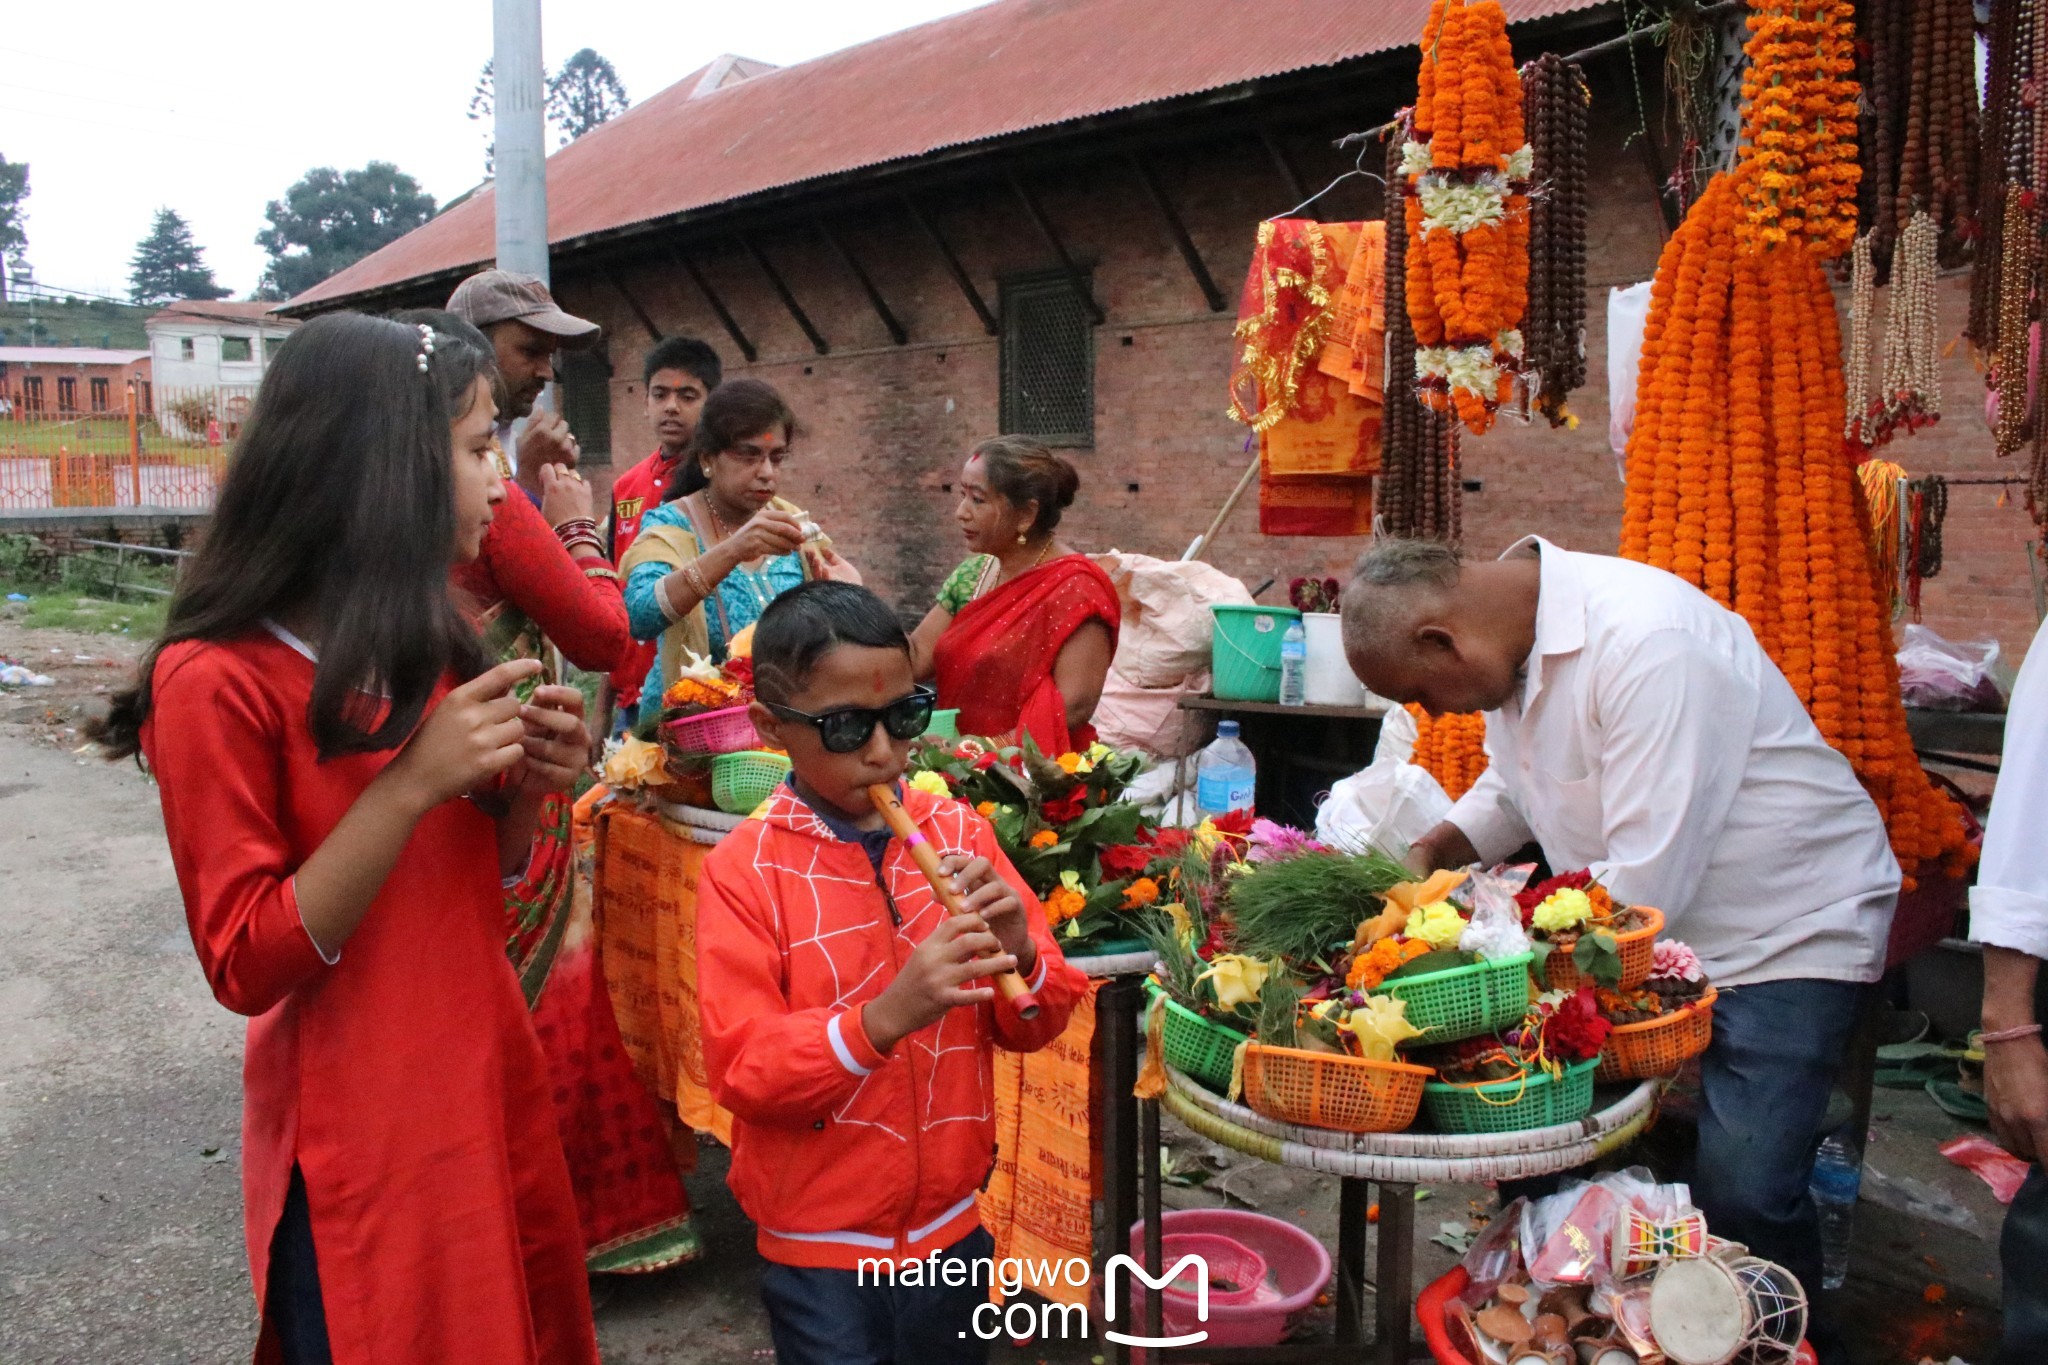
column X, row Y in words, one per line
column 1576, row 1030
column 984, row 763
column 1126, row 860
column 1061, row 809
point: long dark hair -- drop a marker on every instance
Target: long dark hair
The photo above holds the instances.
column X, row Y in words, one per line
column 736, row 410
column 1024, row 470
column 338, row 501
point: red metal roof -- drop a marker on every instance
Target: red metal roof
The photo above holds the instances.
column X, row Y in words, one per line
column 1000, row 69
column 216, row 310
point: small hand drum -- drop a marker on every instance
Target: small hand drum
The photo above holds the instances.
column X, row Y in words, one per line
column 1741, row 1312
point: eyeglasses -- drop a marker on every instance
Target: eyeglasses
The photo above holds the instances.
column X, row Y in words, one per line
column 845, row 730
column 753, row 456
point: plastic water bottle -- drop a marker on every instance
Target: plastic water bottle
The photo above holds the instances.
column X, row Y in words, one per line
column 1225, row 774
column 1294, row 665
column 1837, row 1174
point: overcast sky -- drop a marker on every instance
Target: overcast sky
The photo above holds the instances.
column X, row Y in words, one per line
column 214, row 107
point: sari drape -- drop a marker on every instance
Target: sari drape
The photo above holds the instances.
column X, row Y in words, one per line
column 995, row 661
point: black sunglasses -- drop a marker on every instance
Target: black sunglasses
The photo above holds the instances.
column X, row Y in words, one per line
column 845, row 730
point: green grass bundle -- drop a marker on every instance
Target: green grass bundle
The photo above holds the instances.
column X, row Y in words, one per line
column 1305, row 909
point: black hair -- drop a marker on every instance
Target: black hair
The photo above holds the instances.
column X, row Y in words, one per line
column 733, row 413
column 804, row 624
column 338, row 501
column 691, row 356
column 1023, row 470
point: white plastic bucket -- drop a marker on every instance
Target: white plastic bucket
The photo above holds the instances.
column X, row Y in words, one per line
column 1330, row 681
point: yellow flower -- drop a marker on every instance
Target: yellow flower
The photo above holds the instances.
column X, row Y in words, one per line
column 1566, row 909
column 1140, row 893
column 1045, row 838
column 1062, row 905
column 931, row 782
column 1438, row 924
column 634, row 763
column 1237, row 979
column 1183, row 924
column 1099, row 751
column 1380, row 1025
column 987, row 809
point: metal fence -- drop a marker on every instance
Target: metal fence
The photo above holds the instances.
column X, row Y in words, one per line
column 153, row 449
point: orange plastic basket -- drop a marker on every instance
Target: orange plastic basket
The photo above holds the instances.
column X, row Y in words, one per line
column 1638, row 949
column 1658, row 1047
column 1325, row 1090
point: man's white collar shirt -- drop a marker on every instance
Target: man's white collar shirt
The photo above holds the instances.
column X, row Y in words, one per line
column 1656, row 744
column 2009, row 904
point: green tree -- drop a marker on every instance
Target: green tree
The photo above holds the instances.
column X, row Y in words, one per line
column 585, row 94
column 167, row 265
column 483, row 108
column 331, row 219
column 13, row 231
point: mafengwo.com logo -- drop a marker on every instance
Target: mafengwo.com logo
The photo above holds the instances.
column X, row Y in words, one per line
column 1048, row 1320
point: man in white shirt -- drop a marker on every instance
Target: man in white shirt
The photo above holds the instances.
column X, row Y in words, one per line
column 1636, row 728
column 2009, row 916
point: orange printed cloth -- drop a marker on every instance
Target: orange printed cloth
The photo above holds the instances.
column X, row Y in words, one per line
column 646, row 912
column 1040, row 1197
column 1356, row 350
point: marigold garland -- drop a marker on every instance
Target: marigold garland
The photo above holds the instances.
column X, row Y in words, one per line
column 1769, row 519
column 1451, row 748
column 1798, row 173
column 1466, row 168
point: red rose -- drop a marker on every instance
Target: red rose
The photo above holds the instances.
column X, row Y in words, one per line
column 1061, row 809
column 1576, row 1030
column 1125, row 860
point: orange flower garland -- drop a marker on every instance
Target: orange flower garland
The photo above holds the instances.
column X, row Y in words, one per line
column 1452, row 749
column 1798, row 170
column 1466, row 167
column 1767, row 516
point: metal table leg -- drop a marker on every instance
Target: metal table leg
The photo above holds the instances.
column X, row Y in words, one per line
column 1394, row 1279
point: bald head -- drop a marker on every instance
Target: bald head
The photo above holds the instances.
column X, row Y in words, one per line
column 1421, row 625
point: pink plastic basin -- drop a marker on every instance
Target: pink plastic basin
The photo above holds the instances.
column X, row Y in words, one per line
column 1297, row 1269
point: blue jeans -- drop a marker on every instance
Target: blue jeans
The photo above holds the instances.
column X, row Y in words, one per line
column 827, row 1317
column 1764, row 1086
column 2023, row 1257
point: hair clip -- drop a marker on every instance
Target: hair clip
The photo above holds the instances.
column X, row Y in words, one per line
column 426, row 346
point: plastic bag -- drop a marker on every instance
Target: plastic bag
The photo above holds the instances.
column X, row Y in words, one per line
column 1165, row 635
column 1942, row 675
column 1989, row 1162
column 1388, row 806
column 1495, row 1254
column 1628, row 311
column 1495, row 930
column 1398, row 732
column 1149, row 719
column 1568, row 1237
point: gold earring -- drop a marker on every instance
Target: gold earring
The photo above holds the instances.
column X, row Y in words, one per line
column 1023, row 538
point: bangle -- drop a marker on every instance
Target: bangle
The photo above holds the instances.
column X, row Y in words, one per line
column 694, row 576
column 576, row 525
column 2010, row 1035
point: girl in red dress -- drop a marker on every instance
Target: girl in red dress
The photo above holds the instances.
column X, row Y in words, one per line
column 345, row 787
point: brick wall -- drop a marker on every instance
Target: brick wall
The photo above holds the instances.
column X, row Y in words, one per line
column 887, row 426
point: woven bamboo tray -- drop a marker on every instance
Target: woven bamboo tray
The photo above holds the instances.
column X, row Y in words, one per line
column 1411, row 1158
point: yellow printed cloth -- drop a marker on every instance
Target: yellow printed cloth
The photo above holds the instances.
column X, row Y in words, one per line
column 1356, row 349
column 646, row 911
column 1040, row 1198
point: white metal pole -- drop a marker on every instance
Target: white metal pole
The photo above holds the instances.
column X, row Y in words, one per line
column 519, row 99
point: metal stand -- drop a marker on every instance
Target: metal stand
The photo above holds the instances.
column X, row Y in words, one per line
column 1394, row 1283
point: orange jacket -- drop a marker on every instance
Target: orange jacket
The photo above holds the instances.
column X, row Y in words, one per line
column 839, row 1152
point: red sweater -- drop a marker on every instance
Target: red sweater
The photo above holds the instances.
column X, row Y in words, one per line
column 841, row 1153
column 525, row 564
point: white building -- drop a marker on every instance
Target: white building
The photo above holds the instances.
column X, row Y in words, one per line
column 204, row 345
column 207, row 357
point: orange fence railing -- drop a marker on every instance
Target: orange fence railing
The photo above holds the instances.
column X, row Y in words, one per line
column 126, row 457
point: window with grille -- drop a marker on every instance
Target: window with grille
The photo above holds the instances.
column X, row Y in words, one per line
column 100, row 389
column 1048, row 361
column 585, row 380
column 67, row 394
column 237, row 348
column 32, row 392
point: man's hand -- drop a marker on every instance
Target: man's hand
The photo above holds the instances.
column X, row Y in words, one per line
column 1444, row 846
column 2016, row 1093
column 546, row 440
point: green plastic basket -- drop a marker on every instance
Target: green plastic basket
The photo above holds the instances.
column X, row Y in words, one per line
column 1202, row 1048
column 742, row 781
column 944, row 724
column 1512, row 1106
column 1465, row 1002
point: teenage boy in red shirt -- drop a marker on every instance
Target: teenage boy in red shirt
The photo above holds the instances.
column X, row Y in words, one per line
column 680, row 373
column 848, row 1025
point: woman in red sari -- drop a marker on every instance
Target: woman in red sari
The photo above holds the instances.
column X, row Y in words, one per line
column 1024, row 630
column 541, row 585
